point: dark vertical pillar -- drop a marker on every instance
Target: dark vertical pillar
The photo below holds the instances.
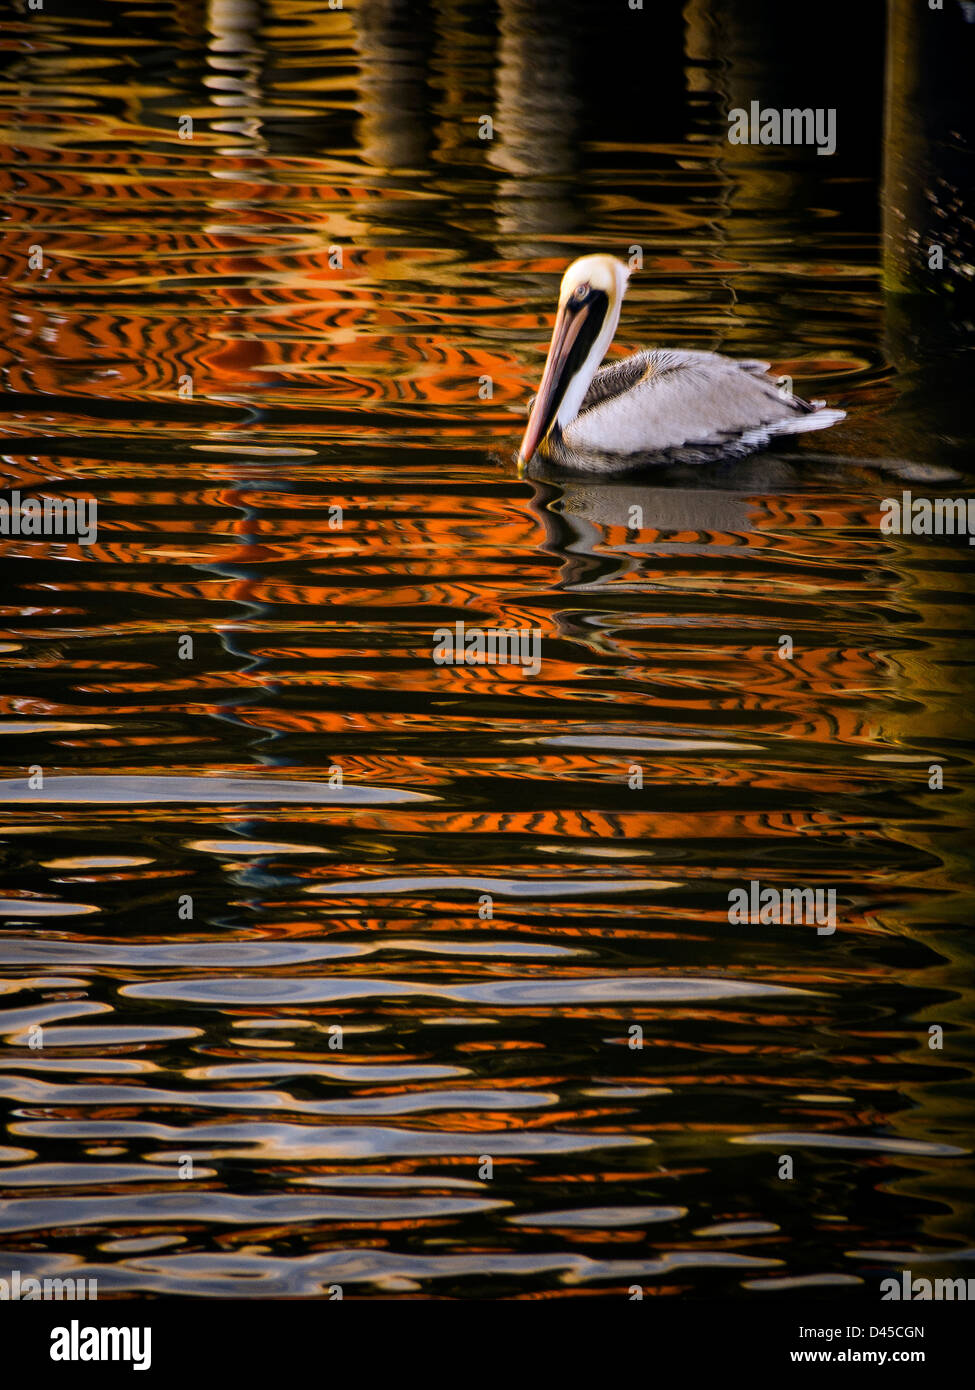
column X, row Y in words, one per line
column 929, row 177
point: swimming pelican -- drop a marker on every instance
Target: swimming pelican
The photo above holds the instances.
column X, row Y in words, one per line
column 662, row 406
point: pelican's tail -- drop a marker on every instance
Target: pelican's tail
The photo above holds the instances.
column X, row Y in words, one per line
column 816, row 417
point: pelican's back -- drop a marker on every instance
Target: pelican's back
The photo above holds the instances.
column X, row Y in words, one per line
column 674, row 406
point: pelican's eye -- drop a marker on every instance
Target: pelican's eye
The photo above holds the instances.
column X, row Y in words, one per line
column 579, row 293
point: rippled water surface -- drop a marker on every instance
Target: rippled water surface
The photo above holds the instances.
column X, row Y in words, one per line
column 339, row 925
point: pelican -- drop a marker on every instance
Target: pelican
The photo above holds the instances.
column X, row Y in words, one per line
column 658, row 406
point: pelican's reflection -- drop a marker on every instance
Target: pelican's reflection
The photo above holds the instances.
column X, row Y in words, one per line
column 601, row 528
column 608, row 536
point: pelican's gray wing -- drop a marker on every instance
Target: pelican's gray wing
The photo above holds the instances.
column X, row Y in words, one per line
column 684, row 407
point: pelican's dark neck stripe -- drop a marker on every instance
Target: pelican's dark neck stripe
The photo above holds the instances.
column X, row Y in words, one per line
column 595, row 305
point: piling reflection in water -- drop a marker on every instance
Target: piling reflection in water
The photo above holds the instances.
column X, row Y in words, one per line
column 290, row 357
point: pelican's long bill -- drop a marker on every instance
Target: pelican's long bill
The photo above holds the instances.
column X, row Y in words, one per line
column 589, row 305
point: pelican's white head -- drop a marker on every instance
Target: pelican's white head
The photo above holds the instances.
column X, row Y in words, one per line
column 590, row 300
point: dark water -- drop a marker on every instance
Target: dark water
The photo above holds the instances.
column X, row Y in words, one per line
column 490, row 903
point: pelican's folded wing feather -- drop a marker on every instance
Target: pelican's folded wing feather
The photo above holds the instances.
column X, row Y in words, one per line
column 668, row 400
column 615, row 379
